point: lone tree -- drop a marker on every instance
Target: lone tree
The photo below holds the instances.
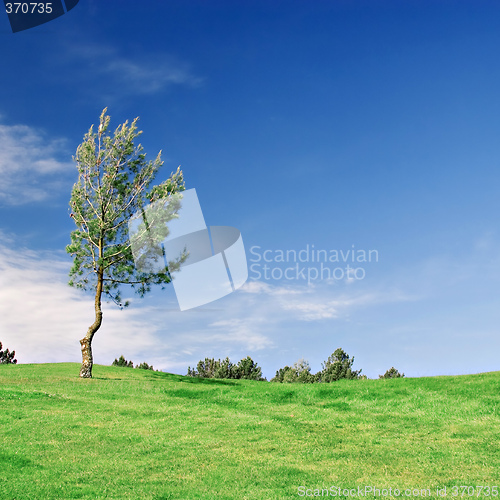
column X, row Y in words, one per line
column 113, row 184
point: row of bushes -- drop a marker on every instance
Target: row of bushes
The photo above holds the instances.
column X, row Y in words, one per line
column 338, row 366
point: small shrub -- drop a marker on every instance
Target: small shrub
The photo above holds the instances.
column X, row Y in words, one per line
column 280, row 374
column 338, row 366
column 122, row 362
column 7, row 357
column 392, row 373
column 247, row 369
column 211, row 368
column 300, row 373
column 145, row 366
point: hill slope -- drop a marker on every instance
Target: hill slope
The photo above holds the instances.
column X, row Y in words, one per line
column 139, row 434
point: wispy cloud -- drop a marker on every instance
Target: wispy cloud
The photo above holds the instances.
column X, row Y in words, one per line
column 317, row 302
column 146, row 73
column 43, row 318
column 30, row 168
column 241, row 331
column 151, row 76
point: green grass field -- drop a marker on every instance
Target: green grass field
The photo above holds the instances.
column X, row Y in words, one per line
column 138, row 434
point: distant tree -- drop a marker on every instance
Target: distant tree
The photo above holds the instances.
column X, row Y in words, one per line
column 280, row 374
column 211, row 368
column 122, row 362
column 205, row 368
column 113, row 184
column 300, row 373
column 247, row 369
column 7, row 357
column 392, row 373
column 225, row 369
column 145, row 366
column 338, row 366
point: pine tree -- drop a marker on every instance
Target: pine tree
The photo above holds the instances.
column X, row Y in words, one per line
column 122, row 362
column 392, row 373
column 7, row 357
column 338, row 366
column 145, row 366
column 113, row 182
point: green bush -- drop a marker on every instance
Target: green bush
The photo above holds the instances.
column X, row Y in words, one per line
column 247, row 369
column 7, row 357
column 211, row 368
column 392, row 373
column 145, row 366
column 300, row 373
column 129, row 364
column 122, row 362
column 338, row 366
column 280, row 374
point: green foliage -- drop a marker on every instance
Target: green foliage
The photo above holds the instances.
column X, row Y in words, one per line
column 280, row 374
column 225, row 369
column 392, row 373
column 211, row 368
column 113, row 184
column 122, row 362
column 248, row 369
column 7, row 357
column 338, row 366
column 145, row 366
column 300, row 372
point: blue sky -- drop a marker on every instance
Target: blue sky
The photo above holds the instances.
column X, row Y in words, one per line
column 370, row 125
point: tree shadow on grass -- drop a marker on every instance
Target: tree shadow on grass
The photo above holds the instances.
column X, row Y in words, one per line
column 206, row 381
column 104, row 378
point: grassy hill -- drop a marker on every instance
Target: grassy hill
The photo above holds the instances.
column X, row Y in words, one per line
column 138, row 434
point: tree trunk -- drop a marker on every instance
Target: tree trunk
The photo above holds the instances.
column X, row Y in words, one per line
column 86, row 342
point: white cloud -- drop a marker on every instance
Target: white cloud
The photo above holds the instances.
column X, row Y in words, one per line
column 316, row 302
column 151, row 76
column 239, row 331
column 42, row 318
column 146, row 73
column 311, row 311
column 30, row 170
